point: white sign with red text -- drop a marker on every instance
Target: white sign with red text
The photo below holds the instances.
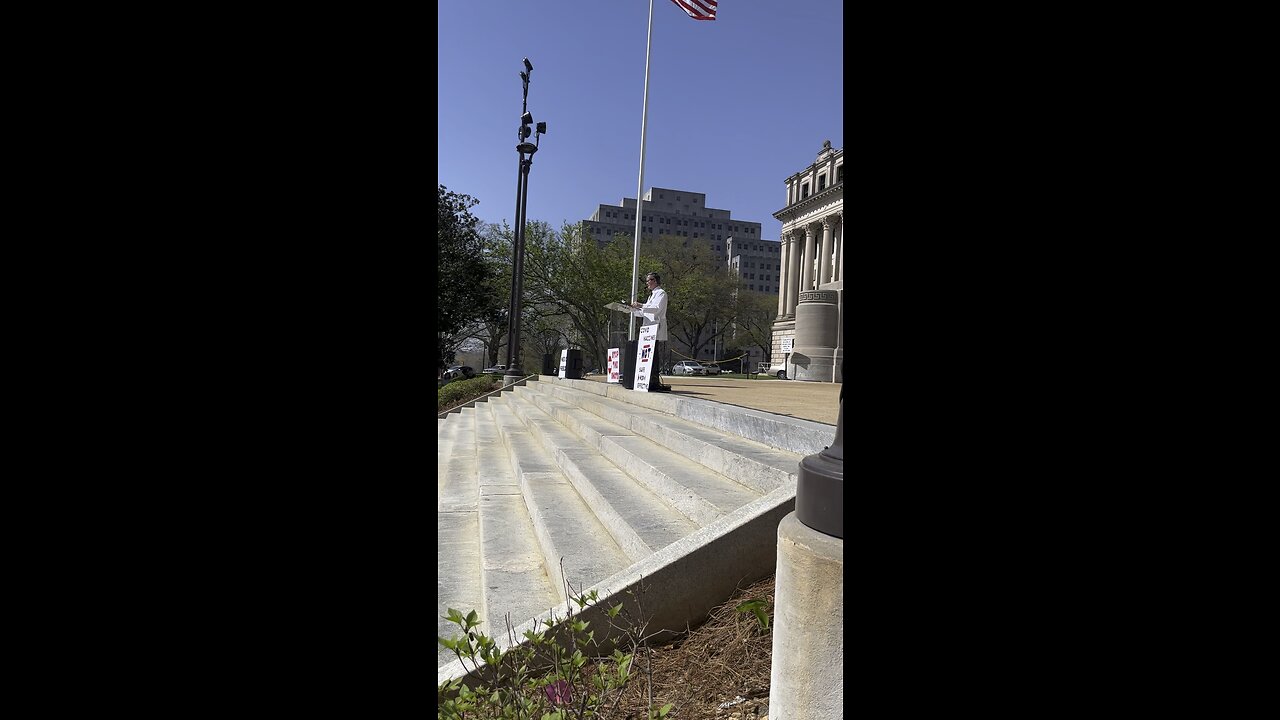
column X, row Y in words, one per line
column 646, row 348
column 615, row 365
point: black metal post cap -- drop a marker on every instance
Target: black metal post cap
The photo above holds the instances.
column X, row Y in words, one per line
column 820, row 487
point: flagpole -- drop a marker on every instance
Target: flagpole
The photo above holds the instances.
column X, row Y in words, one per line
column 644, row 119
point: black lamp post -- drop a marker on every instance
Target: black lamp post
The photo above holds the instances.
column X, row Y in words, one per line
column 526, row 150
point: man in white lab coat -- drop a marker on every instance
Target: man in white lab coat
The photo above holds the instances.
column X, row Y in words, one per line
column 654, row 312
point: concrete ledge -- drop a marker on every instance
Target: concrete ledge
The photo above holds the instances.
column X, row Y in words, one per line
column 680, row 584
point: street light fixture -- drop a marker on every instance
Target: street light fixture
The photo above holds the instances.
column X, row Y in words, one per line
column 524, row 148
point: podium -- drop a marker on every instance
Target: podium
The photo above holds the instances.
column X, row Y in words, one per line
column 627, row 368
column 629, row 364
column 573, row 368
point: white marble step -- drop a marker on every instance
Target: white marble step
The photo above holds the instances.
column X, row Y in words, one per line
column 575, row 545
column 640, row 521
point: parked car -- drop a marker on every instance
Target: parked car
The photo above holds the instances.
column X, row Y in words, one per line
column 459, row 371
column 688, row 367
column 495, row 369
column 711, row 368
column 779, row 369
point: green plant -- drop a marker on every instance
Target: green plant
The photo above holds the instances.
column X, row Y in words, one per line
column 463, row 391
column 757, row 608
column 547, row 677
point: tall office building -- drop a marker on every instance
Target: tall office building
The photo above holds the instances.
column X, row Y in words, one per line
column 675, row 213
column 757, row 262
column 684, row 214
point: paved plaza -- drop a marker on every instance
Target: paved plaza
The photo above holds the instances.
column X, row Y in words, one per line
column 819, row 402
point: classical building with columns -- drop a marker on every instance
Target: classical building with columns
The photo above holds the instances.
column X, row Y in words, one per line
column 811, row 294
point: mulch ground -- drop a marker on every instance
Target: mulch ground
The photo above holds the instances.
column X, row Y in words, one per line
column 719, row 671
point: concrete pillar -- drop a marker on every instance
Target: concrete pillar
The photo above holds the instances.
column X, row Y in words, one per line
column 782, row 275
column 815, row 356
column 824, row 256
column 806, row 679
column 793, row 286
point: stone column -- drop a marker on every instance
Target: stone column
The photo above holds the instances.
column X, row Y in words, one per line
column 782, row 274
column 806, row 262
column 793, row 271
column 839, row 272
column 824, row 256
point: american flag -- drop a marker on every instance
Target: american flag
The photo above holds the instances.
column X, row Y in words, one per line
column 698, row 9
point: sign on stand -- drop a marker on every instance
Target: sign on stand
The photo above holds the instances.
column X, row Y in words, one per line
column 564, row 360
column 646, row 348
column 615, row 365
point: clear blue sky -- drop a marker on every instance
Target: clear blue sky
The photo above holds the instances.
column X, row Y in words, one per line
column 736, row 104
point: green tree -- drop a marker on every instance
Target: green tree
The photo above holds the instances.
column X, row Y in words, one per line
column 703, row 295
column 570, row 277
column 492, row 328
column 464, row 294
column 754, row 323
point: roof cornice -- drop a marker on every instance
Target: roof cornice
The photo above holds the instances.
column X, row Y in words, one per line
column 797, row 208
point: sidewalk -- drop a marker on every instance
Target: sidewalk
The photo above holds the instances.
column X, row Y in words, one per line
column 819, row 402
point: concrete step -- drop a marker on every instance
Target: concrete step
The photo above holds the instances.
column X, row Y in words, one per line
column 444, row 449
column 575, row 545
column 696, row 492
column 777, row 431
column 637, row 519
column 608, row 488
column 458, row 576
column 514, row 577
column 753, row 464
column 456, row 489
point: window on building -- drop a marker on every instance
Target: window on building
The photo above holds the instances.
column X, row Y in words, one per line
column 839, row 173
column 804, row 191
column 822, row 182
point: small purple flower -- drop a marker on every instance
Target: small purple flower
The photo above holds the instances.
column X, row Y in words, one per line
column 559, row 693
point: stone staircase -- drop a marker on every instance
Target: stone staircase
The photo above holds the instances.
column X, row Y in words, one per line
column 600, row 486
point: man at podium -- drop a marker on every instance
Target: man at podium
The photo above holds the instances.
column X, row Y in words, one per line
column 654, row 312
